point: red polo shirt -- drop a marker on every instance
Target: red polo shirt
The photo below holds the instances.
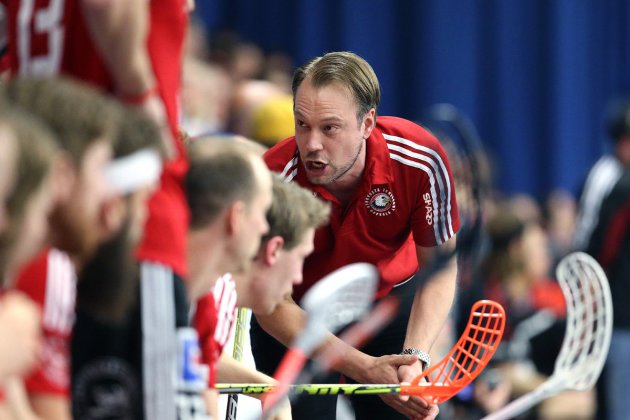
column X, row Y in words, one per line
column 406, row 198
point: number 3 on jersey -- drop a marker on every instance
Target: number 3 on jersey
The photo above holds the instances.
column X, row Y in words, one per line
column 40, row 35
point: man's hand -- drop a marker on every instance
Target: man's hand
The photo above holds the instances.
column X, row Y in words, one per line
column 406, row 374
column 154, row 107
column 282, row 410
column 384, row 370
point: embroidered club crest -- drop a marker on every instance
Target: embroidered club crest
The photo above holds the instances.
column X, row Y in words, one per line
column 380, row 202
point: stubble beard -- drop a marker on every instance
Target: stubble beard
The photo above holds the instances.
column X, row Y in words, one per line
column 341, row 171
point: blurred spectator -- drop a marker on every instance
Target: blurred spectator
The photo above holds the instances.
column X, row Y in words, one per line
column 515, row 274
column 560, row 214
column 206, row 97
column 261, row 111
column 196, row 42
column 525, row 207
column 272, row 120
column 603, row 230
column 279, row 70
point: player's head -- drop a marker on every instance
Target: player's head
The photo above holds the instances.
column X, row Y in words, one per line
column 107, row 281
column 30, row 200
column 229, row 192
column 619, row 129
column 84, row 123
column 335, row 98
column 294, row 215
column 506, row 230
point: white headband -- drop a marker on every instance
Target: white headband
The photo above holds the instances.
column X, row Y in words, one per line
column 132, row 172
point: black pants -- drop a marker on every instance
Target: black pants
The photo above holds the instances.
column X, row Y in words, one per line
column 268, row 352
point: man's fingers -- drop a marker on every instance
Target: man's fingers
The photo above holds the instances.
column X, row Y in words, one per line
column 409, row 408
column 418, row 401
column 400, row 359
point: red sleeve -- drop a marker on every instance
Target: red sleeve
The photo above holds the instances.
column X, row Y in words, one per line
column 50, row 281
column 435, row 218
column 213, row 319
column 205, row 322
column 32, row 278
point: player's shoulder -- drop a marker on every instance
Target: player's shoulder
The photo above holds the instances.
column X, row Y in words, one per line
column 32, row 277
column 49, row 264
column 281, row 154
column 403, row 131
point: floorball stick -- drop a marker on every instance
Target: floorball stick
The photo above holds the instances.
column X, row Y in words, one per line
column 455, row 371
column 587, row 337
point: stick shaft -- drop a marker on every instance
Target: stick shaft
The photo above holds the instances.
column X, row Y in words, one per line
column 237, row 353
column 518, row 406
column 338, row 389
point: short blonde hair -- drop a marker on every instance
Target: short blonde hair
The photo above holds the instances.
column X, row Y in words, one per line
column 350, row 70
column 221, row 172
column 294, row 210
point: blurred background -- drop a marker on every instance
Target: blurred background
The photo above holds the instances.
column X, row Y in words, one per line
column 534, row 76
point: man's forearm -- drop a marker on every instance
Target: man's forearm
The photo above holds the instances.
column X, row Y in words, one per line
column 230, row 370
column 288, row 321
column 285, row 323
column 119, row 28
column 430, row 309
column 233, row 371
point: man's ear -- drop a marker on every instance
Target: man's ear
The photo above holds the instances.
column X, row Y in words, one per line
column 271, row 250
column 369, row 122
column 234, row 216
column 64, row 177
column 113, row 214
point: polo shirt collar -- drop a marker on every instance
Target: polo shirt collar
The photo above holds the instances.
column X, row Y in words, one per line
column 378, row 166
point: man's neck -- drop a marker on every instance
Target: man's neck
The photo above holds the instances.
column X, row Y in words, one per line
column 345, row 187
column 205, row 258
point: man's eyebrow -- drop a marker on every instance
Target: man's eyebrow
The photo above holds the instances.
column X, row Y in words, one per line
column 332, row 118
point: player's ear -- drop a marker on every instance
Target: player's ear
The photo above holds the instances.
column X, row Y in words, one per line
column 272, row 249
column 64, row 177
column 234, row 217
column 113, row 213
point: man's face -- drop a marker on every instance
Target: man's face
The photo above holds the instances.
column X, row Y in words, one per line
column 272, row 286
column 254, row 221
column 328, row 136
column 8, row 157
column 34, row 226
column 77, row 225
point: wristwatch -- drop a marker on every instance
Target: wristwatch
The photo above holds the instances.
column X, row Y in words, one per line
column 422, row 355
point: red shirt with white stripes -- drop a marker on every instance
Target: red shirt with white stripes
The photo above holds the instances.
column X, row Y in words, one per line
column 213, row 319
column 50, row 280
column 406, row 198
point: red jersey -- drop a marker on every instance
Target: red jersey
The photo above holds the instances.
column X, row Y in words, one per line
column 213, row 319
column 406, row 198
column 49, row 37
column 50, row 280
